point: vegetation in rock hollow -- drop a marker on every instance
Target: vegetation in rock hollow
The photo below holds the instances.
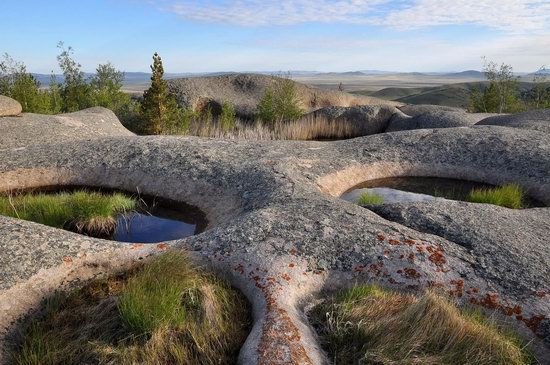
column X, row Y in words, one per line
column 367, row 198
column 87, row 212
column 509, row 196
column 371, row 325
column 165, row 312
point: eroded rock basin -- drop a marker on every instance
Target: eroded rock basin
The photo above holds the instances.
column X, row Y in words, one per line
column 154, row 220
column 417, row 189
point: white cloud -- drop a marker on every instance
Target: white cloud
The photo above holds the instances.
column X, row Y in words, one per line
column 273, row 12
column 508, row 15
column 516, row 16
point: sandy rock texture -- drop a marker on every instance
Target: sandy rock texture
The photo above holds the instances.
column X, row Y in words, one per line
column 279, row 232
column 9, row 107
column 244, row 91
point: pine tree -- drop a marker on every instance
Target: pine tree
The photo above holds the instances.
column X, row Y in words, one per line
column 158, row 108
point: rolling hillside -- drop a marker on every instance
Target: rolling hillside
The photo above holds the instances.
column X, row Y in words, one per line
column 454, row 95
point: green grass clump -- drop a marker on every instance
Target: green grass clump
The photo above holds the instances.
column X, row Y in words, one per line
column 367, row 198
column 82, row 211
column 509, row 196
column 371, row 325
column 166, row 312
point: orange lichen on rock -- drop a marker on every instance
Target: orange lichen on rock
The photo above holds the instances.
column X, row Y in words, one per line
column 411, row 273
column 280, row 341
column 436, row 256
column 410, row 242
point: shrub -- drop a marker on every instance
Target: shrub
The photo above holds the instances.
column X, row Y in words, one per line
column 509, row 196
column 166, row 312
column 82, row 211
column 370, row 325
column 227, row 117
column 367, row 198
column 280, row 102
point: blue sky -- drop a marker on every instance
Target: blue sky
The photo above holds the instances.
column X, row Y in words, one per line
column 266, row 35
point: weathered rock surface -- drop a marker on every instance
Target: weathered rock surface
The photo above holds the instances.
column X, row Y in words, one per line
column 431, row 119
column 278, row 230
column 537, row 120
column 9, row 107
column 372, row 118
column 414, row 110
column 244, row 91
column 29, row 129
column 473, row 227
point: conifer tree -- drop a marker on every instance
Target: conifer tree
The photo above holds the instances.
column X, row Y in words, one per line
column 158, row 108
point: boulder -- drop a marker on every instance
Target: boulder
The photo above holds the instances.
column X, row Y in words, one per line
column 431, row 119
column 538, row 120
column 9, row 107
column 372, row 119
column 30, row 129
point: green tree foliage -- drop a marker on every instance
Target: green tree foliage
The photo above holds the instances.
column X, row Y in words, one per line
column 75, row 91
column 539, row 96
column 502, row 94
column 107, row 91
column 18, row 84
column 159, row 109
column 227, row 116
column 280, row 102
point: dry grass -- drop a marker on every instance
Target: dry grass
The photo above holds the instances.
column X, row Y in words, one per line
column 306, row 128
column 369, row 325
column 166, row 312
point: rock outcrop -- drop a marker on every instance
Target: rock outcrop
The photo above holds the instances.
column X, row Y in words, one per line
column 372, row 119
column 86, row 124
column 430, row 120
column 9, row 107
column 244, row 91
column 278, row 230
column 537, row 120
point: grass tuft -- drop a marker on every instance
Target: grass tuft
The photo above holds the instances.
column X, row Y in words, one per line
column 509, row 196
column 370, row 199
column 81, row 211
column 166, row 312
column 370, row 325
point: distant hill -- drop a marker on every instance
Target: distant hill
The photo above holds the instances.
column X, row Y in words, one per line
column 469, row 73
column 454, row 95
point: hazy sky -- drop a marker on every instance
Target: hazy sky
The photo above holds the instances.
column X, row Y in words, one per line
column 256, row 35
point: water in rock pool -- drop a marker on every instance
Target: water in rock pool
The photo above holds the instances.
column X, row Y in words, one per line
column 156, row 219
column 160, row 225
column 410, row 189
